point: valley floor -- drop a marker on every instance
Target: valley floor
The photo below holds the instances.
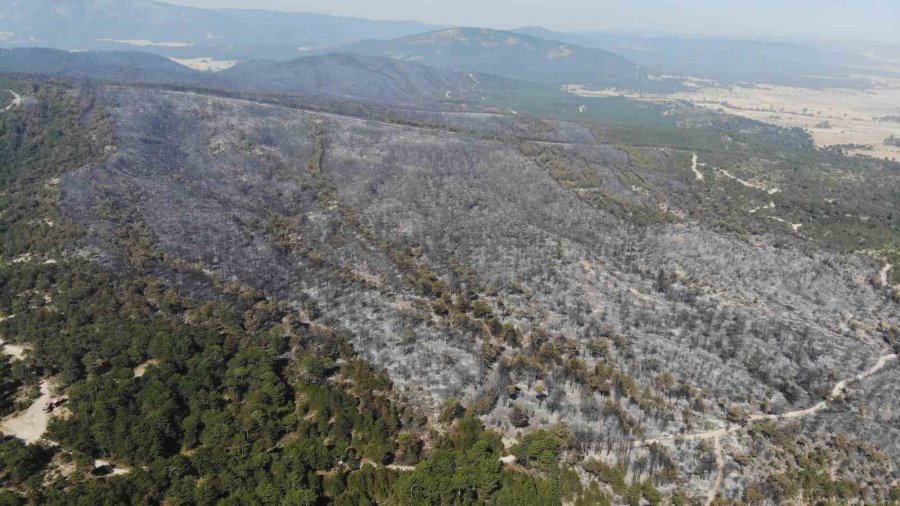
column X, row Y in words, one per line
column 833, row 116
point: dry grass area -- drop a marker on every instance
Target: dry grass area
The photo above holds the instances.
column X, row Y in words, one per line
column 833, row 116
column 205, row 64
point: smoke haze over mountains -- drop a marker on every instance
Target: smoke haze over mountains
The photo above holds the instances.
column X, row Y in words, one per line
column 813, row 19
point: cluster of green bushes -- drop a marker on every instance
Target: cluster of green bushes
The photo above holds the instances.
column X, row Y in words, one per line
column 15, row 376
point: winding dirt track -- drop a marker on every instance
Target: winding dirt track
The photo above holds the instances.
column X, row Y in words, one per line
column 16, row 101
column 716, row 434
column 697, row 174
column 770, row 191
column 720, row 471
column 836, row 392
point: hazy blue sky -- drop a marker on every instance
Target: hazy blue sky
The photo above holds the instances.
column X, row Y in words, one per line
column 824, row 19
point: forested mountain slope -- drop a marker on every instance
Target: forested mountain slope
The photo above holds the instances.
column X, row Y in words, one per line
column 109, row 65
column 511, row 55
column 348, row 75
column 727, row 59
column 374, row 79
column 323, row 299
column 176, row 30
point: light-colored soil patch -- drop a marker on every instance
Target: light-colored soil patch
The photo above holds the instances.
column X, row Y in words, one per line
column 401, row 468
column 140, row 370
column 205, row 64
column 833, row 116
column 697, row 174
column 794, row 226
column 695, row 436
column 112, row 470
column 17, row 351
column 770, row 191
column 16, row 101
column 59, row 469
column 642, row 296
column 23, row 258
column 30, row 425
column 770, row 205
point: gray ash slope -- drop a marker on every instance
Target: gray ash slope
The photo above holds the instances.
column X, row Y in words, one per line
column 375, row 222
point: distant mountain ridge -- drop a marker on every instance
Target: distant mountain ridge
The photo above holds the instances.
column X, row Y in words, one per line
column 538, row 54
column 109, row 65
column 351, row 75
column 181, row 31
column 721, row 58
column 336, row 75
column 510, row 55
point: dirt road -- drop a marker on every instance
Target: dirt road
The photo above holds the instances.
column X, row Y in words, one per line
column 770, row 191
column 697, row 174
column 720, row 470
column 401, row 468
column 836, row 392
column 696, row 436
column 16, row 101
column 716, row 434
